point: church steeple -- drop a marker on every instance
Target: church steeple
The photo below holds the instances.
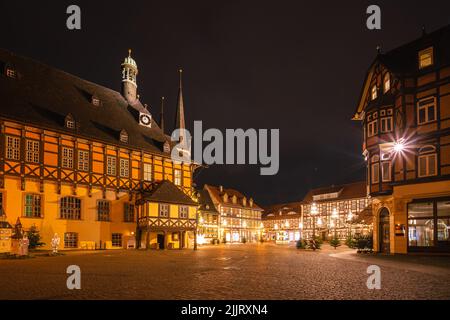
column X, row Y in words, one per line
column 129, row 83
column 161, row 119
column 179, row 120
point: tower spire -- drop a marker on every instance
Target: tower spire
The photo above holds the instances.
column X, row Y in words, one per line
column 179, row 120
column 129, row 82
column 161, row 120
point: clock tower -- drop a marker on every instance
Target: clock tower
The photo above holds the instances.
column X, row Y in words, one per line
column 129, row 83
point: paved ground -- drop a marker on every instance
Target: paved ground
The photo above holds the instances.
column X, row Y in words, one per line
column 262, row 271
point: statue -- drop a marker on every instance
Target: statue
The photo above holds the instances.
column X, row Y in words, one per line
column 55, row 243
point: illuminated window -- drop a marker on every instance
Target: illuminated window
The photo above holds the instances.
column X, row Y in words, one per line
column 70, row 208
column 111, row 163
column 71, row 240
column 426, row 110
column 70, row 122
column 32, row 152
column 147, row 172
column 374, row 92
column 386, row 82
column 164, row 210
column 183, row 212
column 11, row 73
column 123, row 136
column 32, row 205
column 67, row 158
column 375, row 169
column 426, row 57
column 124, row 168
column 427, row 161
column 96, row 101
column 13, row 148
column 83, row 160
column 116, row 240
column 372, row 128
column 103, row 210
column 177, row 175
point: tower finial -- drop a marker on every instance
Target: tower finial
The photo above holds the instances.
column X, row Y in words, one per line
column 181, row 77
column 378, row 49
column 129, row 53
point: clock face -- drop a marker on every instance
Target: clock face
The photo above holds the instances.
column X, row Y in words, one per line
column 145, row 119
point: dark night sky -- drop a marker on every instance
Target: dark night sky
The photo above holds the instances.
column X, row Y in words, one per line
column 293, row 65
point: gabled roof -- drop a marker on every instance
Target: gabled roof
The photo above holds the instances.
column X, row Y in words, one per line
column 167, row 192
column 403, row 60
column 346, row 191
column 217, row 197
column 283, row 210
column 43, row 96
column 205, row 202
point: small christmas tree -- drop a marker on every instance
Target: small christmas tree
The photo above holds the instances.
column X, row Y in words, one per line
column 335, row 242
column 34, row 237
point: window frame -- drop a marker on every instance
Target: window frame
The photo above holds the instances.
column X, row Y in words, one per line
column 178, row 177
column 114, row 243
column 13, row 148
column 103, row 210
column 181, row 213
column 67, row 158
column 386, row 121
column 147, row 174
column 11, row 73
column 73, row 208
column 34, row 207
column 83, row 163
column 426, row 106
column 386, row 79
column 427, row 155
column 76, row 239
column 375, row 169
column 372, row 128
column 31, row 154
column 385, row 178
column 160, row 210
column 111, row 165
column 124, row 168
column 127, row 208
column 423, row 52
column 373, row 92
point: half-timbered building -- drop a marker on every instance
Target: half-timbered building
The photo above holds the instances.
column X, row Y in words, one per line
column 240, row 217
column 88, row 163
column 283, row 223
column 404, row 108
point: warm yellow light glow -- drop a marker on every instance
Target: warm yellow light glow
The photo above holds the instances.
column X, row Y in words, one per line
column 335, row 214
column 276, row 226
column 319, row 221
column 287, row 224
column 350, row 216
column 399, row 146
column 300, row 225
column 314, row 209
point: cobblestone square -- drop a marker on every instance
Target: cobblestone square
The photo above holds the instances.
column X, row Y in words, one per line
column 262, row 271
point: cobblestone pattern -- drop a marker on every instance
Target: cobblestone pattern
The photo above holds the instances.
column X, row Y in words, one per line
column 261, row 271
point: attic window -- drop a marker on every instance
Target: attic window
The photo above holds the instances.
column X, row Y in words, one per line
column 96, row 101
column 166, row 147
column 386, row 82
column 123, row 136
column 11, row 73
column 425, row 57
column 70, row 122
column 374, row 92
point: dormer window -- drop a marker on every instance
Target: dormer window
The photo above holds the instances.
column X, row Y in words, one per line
column 234, row 199
column 166, row 147
column 96, row 101
column 11, row 73
column 123, row 136
column 425, row 57
column 386, row 82
column 70, row 122
column 374, row 92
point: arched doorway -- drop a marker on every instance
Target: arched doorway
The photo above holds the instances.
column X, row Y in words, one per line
column 384, row 231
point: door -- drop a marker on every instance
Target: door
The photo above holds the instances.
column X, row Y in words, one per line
column 384, row 231
column 160, row 239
